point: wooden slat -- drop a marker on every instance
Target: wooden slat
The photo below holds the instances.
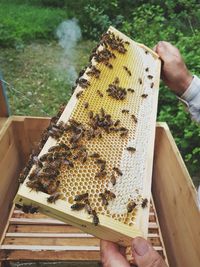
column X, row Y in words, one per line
column 61, row 235
column 9, row 169
column 36, row 221
column 175, row 201
column 70, row 241
column 37, row 228
column 52, row 247
column 47, row 235
column 15, row 254
column 4, row 110
column 2, row 122
column 57, row 248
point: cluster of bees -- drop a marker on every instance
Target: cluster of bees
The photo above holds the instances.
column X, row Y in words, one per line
column 115, row 91
column 45, row 135
column 27, row 208
column 44, row 176
column 82, row 202
column 114, row 42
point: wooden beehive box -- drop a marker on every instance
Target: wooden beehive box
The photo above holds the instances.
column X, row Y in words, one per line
column 172, row 190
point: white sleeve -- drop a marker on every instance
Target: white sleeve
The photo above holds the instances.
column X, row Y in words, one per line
column 191, row 98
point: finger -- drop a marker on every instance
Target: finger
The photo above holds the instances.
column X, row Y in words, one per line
column 111, row 256
column 145, row 255
column 155, row 48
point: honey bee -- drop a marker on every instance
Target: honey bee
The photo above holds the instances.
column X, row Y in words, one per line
column 27, row 208
column 91, row 114
column 69, row 163
column 54, row 148
column 21, row 178
column 125, row 111
column 88, row 207
column 150, row 77
column 37, row 161
column 95, row 218
column 124, row 134
column 81, row 197
column 131, row 90
column 79, row 94
column 102, row 167
column 83, row 83
column 49, row 169
column 146, row 52
column 99, row 93
column 117, row 123
column 98, row 133
column 76, row 137
column 100, row 161
column 34, row 185
column 118, row 171
column 152, row 85
column 74, row 145
column 144, row 95
column 116, row 92
column 110, row 194
column 131, row 205
column 86, row 104
column 53, row 198
column 127, row 42
column 127, row 70
column 147, row 69
column 131, row 149
column 134, row 118
column 121, row 49
column 116, row 80
column 44, row 157
column 102, row 111
column 84, row 157
column 47, row 175
column 113, row 179
column 109, row 65
column 104, row 199
column 140, row 81
column 52, row 187
column 34, row 173
column 144, row 203
column 78, row 206
column 93, row 72
column 95, row 155
column 32, row 209
column 56, row 134
column 101, row 174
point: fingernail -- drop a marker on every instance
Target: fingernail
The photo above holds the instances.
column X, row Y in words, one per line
column 140, row 246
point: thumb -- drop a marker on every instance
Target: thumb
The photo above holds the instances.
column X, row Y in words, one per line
column 145, row 255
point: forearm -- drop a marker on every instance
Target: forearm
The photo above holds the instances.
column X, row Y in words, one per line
column 192, row 98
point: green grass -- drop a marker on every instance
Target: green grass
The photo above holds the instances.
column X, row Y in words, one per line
column 25, row 23
column 37, row 77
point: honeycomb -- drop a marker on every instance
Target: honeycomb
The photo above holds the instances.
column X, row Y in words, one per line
column 144, row 79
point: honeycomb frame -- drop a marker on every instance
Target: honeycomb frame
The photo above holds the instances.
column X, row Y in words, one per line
column 115, row 223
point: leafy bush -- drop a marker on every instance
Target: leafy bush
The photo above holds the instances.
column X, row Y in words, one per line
column 23, row 23
column 149, row 22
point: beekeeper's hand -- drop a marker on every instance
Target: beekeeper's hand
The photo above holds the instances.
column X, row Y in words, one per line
column 174, row 72
column 145, row 255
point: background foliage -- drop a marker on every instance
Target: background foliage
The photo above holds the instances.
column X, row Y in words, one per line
column 145, row 21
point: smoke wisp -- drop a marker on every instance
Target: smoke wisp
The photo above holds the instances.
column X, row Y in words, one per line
column 68, row 34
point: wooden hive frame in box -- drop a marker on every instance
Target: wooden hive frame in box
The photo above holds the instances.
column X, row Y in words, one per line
column 129, row 73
